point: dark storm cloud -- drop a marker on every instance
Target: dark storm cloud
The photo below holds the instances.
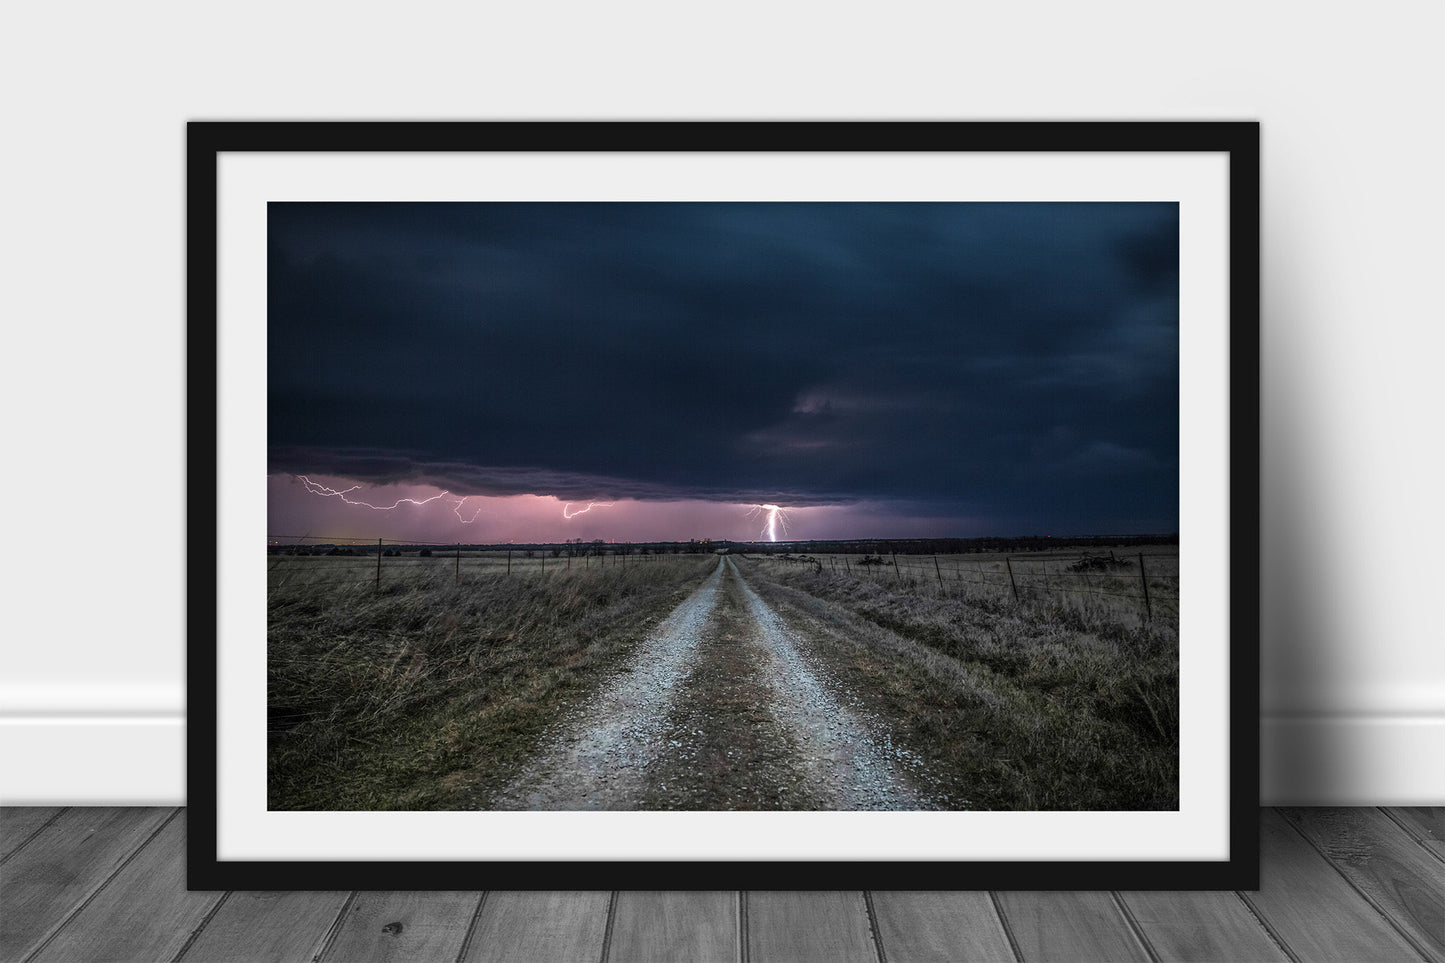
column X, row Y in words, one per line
column 1018, row 361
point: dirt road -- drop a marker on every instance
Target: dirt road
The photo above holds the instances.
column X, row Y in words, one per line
column 720, row 707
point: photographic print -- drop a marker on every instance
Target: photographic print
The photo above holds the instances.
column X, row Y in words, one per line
column 761, row 509
column 734, row 506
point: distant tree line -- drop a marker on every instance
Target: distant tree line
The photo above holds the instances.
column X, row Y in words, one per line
column 954, row 546
column 870, row 546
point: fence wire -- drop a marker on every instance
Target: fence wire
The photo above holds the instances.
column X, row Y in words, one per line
column 1022, row 577
column 355, row 562
column 332, row 561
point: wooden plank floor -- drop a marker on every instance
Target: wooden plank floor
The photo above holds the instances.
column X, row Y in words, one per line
column 107, row 884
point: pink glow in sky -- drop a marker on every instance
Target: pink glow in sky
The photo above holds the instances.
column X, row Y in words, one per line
column 415, row 512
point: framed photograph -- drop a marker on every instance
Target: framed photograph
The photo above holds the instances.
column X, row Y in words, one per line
column 723, row 505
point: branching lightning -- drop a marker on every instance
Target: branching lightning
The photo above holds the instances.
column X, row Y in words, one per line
column 457, row 511
column 569, row 514
column 776, row 520
column 318, row 489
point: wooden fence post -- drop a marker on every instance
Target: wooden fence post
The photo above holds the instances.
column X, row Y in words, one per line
column 897, row 576
column 848, row 566
column 459, row 561
column 509, row 560
column 378, row 565
column 1011, row 577
column 1144, row 579
column 939, row 572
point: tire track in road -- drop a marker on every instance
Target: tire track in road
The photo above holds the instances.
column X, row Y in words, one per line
column 601, row 760
column 850, row 764
column 726, row 748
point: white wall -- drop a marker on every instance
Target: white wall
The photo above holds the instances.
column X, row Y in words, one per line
column 96, row 97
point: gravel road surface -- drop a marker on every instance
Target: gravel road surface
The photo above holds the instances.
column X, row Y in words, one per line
column 600, row 759
column 721, row 707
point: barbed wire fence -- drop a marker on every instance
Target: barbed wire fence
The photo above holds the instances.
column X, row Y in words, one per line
column 353, row 561
column 1148, row 581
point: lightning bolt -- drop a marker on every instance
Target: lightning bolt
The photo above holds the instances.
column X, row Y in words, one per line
column 316, row 488
column 567, row 512
column 457, row 511
column 777, row 519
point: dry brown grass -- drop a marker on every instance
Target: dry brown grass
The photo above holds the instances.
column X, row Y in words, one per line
column 1030, row 706
column 1114, row 590
column 429, row 693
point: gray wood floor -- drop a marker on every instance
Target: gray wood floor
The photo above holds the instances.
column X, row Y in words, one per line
column 96, row 884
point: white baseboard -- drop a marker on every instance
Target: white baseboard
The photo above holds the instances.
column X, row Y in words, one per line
column 139, row 760
column 121, row 760
column 1352, row 760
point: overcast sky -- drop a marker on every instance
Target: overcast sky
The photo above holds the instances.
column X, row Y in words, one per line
column 877, row 369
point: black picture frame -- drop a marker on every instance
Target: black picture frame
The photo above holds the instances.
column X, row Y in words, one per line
column 208, row 141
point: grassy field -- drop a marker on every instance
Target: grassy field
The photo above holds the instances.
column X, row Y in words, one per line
column 428, row 693
column 1101, row 580
column 1046, row 704
column 431, row 691
column 359, row 570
